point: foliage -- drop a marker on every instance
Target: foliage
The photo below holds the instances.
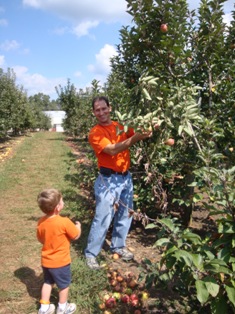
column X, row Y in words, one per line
column 18, row 113
column 194, row 266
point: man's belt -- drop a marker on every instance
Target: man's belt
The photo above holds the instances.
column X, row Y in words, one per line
column 107, row 172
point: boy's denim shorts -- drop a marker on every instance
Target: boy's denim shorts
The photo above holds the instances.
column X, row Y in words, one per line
column 60, row 276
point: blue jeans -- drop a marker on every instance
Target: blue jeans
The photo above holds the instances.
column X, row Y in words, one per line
column 111, row 190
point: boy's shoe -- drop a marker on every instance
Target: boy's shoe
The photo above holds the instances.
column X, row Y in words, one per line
column 92, row 263
column 125, row 254
column 69, row 309
column 51, row 310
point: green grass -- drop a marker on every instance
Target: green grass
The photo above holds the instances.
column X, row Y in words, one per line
column 40, row 161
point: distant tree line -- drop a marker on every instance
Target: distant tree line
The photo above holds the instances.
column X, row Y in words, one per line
column 18, row 112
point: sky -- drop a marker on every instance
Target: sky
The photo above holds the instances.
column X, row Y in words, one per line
column 47, row 42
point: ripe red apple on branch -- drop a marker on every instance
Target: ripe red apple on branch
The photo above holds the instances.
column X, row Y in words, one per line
column 170, row 142
column 164, row 28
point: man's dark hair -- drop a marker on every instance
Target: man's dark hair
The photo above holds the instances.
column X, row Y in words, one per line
column 99, row 98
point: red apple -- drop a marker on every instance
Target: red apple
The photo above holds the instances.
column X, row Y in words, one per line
column 132, row 284
column 164, row 28
column 135, row 302
column 170, row 142
column 133, row 296
column 125, row 298
column 110, row 303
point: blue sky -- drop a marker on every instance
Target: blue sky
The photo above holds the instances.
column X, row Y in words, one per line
column 47, row 42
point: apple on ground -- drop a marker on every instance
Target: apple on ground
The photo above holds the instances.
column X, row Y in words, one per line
column 125, row 298
column 115, row 256
column 110, row 303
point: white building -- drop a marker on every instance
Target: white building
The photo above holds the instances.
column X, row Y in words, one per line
column 57, row 118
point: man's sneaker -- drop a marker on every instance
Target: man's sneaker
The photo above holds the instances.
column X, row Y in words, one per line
column 125, row 254
column 92, row 263
column 51, row 310
column 69, row 309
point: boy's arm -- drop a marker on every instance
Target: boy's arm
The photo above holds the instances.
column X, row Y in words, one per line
column 78, row 226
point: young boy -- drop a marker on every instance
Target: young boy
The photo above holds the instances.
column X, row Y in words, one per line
column 55, row 233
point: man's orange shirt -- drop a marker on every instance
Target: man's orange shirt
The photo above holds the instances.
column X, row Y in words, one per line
column 55, row 234
column 100, row 136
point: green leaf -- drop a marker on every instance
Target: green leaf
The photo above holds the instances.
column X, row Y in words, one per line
column 231, row 294
column 202, row 292
column 150, row 226
column 197, row 261
column 162, row 242
column 186, row 256
column 212, row 286
column 219, row 305
column 168, row 223
column 193, row 237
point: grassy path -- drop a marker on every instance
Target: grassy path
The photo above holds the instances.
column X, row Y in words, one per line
column 39, row 161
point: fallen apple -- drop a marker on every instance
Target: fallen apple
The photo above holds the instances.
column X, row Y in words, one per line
column 117, row 295
column 102, row 306
column 125, row 298
column 132, row 284
column 133, row 296
column 110, row 303
column 135, row 302
column 120, row 278
column 115, row 256
column 145, row 296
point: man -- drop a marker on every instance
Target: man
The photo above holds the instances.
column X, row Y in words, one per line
column 114, row 186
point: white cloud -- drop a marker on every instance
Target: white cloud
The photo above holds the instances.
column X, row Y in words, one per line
column 37, row 83
column 83, row 28
column 2, row 61
column 101, row 68
column 83, row 14
column 83, row 10
column 9, row 45
column 3, row 22
column 78, row 74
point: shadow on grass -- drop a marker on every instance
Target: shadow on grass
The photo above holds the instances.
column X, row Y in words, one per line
column 34, row 283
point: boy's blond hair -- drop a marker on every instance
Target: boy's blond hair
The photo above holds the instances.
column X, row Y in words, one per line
column 48, row 199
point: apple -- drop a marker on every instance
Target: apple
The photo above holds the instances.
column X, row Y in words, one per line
column 145, row 296
column 115, row 256
column 164, row 28
column 132, row 283
column 128, row 291
column 137, row 312
column 133, row 296
column 102, row 306
column 125, row 298
column 113, row 282
column 156, row 126
column 170, row 142
column 135, row 302
column 119, row 278
column 110, row 303
column 117, row 295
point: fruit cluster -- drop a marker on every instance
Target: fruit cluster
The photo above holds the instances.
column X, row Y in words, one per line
column 126, row 294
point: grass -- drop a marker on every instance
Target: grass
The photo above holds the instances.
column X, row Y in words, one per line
column 39, row 161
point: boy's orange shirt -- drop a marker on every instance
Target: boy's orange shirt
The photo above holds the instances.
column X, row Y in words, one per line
column 55, row 234
column 100, row 136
